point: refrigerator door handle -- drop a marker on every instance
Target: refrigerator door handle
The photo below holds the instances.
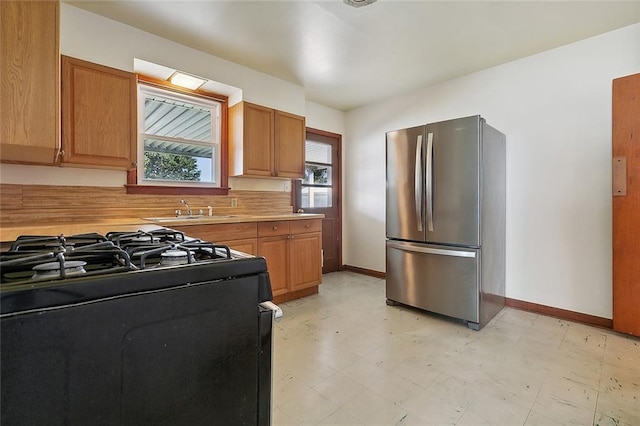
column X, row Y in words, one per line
column 429, row 182
column 428, row 250
column 417, row 182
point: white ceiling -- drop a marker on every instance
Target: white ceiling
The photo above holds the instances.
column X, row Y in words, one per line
column 345, row 57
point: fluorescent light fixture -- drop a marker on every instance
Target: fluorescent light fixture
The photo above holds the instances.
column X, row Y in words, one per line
column 186, row 80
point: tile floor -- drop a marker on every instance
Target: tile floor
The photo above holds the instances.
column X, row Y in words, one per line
column 343, row 357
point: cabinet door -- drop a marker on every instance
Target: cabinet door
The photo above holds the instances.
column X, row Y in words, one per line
column 258, row 140
column 626, row 205
column 305, row 260
column 249, row 246
column 289, row 145
column 276, row 251
column 98, row 115
column 29, row 81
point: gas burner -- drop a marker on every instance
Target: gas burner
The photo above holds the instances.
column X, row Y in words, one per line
column 22, row 267
column 140, row 238
column 55, row 243
column 175, row 257
column 62, row 269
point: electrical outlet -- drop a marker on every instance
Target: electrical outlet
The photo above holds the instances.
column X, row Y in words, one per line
column 234, row 202
column 287, row 186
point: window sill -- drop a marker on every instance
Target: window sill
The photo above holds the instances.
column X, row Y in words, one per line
column 174, row 190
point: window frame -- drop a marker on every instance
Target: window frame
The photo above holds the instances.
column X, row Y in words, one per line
column 177, row 188
column 316, row 185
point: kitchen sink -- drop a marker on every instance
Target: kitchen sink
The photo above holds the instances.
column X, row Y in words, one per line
column 186, row 218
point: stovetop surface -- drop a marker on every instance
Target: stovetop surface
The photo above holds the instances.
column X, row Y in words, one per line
column 43, row 271
column 48, row 258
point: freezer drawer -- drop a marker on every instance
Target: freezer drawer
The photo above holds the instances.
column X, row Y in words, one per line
column 440, row 279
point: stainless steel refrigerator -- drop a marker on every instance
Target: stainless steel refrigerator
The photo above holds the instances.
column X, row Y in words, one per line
column 445, row 225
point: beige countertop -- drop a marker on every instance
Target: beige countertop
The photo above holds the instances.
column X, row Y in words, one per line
column 102, row 226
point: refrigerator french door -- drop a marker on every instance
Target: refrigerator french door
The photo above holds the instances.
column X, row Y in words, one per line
column 445, row 218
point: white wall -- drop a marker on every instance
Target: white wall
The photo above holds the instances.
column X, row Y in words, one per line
column 555, row 108
column 324, row 118
column 97, row 39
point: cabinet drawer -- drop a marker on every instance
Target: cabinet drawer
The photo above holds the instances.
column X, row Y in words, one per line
column 220, row 231
column 303, row 226
column 268, row 229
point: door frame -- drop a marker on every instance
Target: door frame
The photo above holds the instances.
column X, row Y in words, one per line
column 337, row 179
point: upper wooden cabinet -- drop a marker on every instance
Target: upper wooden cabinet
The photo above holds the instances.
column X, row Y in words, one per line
column 265, row 142
column 290, row 133
column 29, row 81
column 98, row 115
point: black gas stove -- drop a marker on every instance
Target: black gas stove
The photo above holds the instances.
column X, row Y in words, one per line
column 45, row 258
column 133, row 328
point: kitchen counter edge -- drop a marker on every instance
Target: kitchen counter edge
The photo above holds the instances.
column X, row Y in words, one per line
column 134, row 224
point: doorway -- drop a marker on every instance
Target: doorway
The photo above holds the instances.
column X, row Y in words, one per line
column 319, row 192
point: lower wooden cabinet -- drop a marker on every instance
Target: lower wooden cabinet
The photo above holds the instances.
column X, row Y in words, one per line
column 293, row 250
column 276, row 251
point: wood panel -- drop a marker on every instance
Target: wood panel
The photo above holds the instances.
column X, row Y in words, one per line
column 220, row 232
column 258, row 139
column 48, row 204
column 265, row 142
column 276, row 251
column 626, row 208
column 289, row 145
column 249, row 245
column 305, row 268
column 251, row 139
column 29, row 81
column 98, row 115
column 304, row 226
column 270, row 229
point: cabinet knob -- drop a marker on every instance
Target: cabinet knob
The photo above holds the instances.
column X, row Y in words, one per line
column 134, row 164
column 275, row 228
column 307, row 225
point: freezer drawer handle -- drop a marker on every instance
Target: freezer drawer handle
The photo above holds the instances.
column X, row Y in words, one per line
column 417, row 183
column 427, row 250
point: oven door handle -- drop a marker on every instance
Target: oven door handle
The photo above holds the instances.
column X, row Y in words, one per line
column 277, row 312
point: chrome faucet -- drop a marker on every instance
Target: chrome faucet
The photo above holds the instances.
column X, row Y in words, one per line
column 187, row 207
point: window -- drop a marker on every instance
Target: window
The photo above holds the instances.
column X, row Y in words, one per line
column 179, row 141
column 318, row 179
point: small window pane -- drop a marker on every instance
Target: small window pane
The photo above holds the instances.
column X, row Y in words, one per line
column 175, row 119
column 317, row 152
column 317, row 175
column 178, row 161
column 316, row 197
